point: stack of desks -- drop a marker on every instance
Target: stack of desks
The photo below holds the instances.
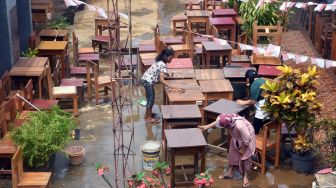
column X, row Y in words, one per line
column 40, row 9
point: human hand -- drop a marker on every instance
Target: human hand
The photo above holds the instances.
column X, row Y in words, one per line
column 203, row 127
column 241, row 102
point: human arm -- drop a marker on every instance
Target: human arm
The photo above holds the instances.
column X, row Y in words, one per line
column 209, row 126
column 164, row 82
column 246, row 102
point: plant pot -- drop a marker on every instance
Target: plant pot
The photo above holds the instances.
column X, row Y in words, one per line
column 75, row 154
column 303, row 163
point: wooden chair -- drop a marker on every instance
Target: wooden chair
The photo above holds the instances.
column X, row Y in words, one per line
column 27, row 179
column 7, row 85
column 86, row 50
column 61, row 92
column 265, row 143
column 273, row 32
column 99, row 82
column 39, row 103
column 326, row 40
column 3, row 123
column 333, row 46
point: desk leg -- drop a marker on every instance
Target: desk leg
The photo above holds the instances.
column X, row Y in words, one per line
column 207, row 61
column 63, row 64
column 196, row 163
column 174, row 27
column 203, row 59
column 40, row 87
column 172, row 178
column 203, row 159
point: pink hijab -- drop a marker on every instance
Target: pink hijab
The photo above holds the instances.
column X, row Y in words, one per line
column 226, row 120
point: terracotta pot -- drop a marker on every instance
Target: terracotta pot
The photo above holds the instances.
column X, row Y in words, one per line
column 75, row 154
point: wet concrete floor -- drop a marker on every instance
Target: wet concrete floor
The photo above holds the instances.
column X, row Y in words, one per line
column 95, row 122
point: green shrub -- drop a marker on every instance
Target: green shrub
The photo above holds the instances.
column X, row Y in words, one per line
column 44, row 134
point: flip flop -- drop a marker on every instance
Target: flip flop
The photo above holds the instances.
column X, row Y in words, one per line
column 153, row 121
column 246, row 184
column 225, row 177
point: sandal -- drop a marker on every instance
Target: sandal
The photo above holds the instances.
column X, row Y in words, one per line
column 246, row 184
column 225, row 177
column 153, row 120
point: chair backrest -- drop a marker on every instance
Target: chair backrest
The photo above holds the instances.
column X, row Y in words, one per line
column 6, row 84
column 213, row 31
column 19, row 103
column 56, row 73
column 75, row 46
column 49, row 82
column 28, row 91
column 333, row 46
column 275, row 126
column 10, row 109
column 267, row 31
column 33, row 40
column 3, row 123
column 17, row 167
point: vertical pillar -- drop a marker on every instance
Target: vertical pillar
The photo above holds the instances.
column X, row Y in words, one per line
column 5, row 38
column 24, row 22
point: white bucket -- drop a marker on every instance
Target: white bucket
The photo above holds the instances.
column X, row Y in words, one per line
column 150, row 151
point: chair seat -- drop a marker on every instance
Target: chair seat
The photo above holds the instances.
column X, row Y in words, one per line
column 64, row 90
column 147, row 48
column 79, row 70
column 85, row 50
column 270, row 142
column 102, row 80
column 199, row 39
column 180, row 47
column 34, row 179
column 91, row 57
column 44, row 104
column 172, row 40
column 78, row 82
column 101, row 38
column 180, row 17
column 148, row 56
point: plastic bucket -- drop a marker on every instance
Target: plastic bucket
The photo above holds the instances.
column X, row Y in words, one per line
column 150, row 151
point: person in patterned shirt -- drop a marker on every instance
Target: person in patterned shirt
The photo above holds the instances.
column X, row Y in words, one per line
column 153, row 75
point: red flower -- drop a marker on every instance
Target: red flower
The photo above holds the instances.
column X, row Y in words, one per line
column 168, row 171
column 130, row 183
column 143, row 185
column 100, row 171
column 150, row 180
column 156, row 173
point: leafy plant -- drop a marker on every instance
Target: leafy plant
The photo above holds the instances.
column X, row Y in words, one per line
column 292, row 98
column 30, row 52
column 264, row 15
column 59, row 22
column 327, row 142
column 204, row 179
column 43, row 134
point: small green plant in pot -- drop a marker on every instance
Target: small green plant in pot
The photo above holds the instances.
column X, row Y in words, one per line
column 30, row 52
column 292, row 99
column 43, row 134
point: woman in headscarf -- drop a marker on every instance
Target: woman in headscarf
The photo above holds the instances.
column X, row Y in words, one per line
column 242, row 143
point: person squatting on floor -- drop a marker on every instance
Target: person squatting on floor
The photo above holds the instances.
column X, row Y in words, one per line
column 153, row 75
column 242, row 143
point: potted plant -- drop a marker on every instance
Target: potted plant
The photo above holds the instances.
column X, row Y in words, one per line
column 326, row 141
column 292, row 99
column 43, row 134
column 203, row 180
column 30, row 52
column 140, row 179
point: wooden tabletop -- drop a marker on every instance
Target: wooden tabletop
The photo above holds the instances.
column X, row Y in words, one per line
column 224, row 12
column 268, row 70
column 236, row 72
column 180, row 63
column 7, row 147
column 180, row 111
column 26, row 71
column 213, row 86
column 31, row 62
column 189, row 95
column 225, row 106
column 215, row 46
column 52, row 45
column 197, row 13
column 182, row 138
column 209, row 74
column 179, row 17
column 184, row 83
column 53, row 33
column 181, row 74
column 222, row 21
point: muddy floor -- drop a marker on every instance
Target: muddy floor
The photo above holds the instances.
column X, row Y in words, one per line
column 95, row 122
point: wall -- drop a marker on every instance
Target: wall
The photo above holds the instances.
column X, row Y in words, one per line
column 6, row 58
